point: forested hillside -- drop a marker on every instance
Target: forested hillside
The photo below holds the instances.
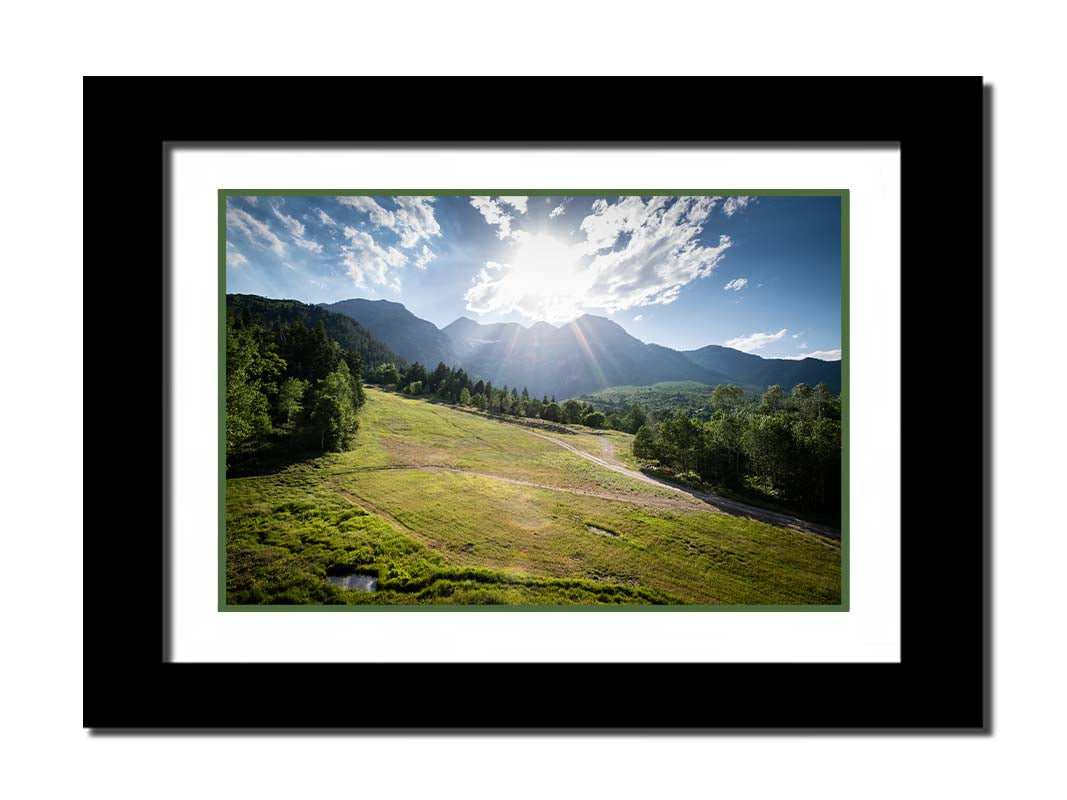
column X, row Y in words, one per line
column 277, row 315
column 658, row 398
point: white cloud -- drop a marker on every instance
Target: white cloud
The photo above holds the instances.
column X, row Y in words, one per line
column 287, row 265
column 755, row 341
column 235, row 259
column 634, row 254
column 308, row 244
column 366, row 260
column 416, row 220
column 292, row 224
column 412, row 221
column 296, row 230
column 737, row 284
column 734, row 204
column 494, row 215
column 663, row 252
column 252, row 200
column 379, row 216
column 325, row 218
column 798, row 335
column 557, row 211
column 257, row 232
column 518, row 202
column 639, row 317
column 608, row 221
column 823, row 355
column 425, row 257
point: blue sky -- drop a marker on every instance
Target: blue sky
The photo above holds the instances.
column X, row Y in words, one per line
column 761, row 274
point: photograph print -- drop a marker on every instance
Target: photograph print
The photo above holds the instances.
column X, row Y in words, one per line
column 533, row 401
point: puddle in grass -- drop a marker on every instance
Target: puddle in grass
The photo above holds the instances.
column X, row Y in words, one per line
column 354, row 582
column 601, row 531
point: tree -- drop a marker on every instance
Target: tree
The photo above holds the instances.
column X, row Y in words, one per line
column 415, row 387
column 465, row 397
column 440, row 374
column 723, row 447
column 249, row 372
column 335, row 409
column 572, row 412
column 479, row 401
column 594, row 420
column 680, row 439
column 727, row 399
column 552, row 412
column 644, row 444
column 416, row 372
column 635, row 418
column 768, row 447
column 773, row 400
column 290, row 398
column 825, row 403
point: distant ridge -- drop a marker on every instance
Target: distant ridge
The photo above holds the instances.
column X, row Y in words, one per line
column 586, row 355
column 413, row 338
column 748, row 369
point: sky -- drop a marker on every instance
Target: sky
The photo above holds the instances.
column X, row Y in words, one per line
column 759, row 274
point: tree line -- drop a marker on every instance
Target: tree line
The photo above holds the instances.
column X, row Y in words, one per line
column 784, row 445
column 288, row 387
column 455, row 386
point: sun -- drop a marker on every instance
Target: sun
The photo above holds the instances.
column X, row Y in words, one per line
column 547, row 279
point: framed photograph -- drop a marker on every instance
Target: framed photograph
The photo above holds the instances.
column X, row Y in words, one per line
column 531, row 411
column 612, row 473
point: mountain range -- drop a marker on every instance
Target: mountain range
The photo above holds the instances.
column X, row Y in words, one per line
column 585, row 355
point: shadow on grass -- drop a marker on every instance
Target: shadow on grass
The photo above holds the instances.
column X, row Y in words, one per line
column 271, row 459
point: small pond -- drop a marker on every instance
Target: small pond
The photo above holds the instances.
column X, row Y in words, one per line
column 355, row 582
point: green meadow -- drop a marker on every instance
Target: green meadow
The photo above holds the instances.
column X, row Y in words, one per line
column 443, row 506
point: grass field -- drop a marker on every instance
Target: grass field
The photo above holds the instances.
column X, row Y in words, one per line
column 443, row 506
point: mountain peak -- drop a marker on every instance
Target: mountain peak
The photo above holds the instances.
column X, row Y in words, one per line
column 593, row 319
column 392, row 323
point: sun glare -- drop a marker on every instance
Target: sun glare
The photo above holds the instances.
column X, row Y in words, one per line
column 547, row 277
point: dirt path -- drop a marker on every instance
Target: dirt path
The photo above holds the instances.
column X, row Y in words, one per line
column 720, row 503
column 680, row 503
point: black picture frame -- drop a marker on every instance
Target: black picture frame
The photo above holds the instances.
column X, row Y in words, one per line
column 943, row 680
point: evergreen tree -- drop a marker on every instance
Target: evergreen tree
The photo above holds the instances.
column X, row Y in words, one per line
column 335, row 409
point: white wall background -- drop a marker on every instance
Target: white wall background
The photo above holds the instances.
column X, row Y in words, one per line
column 44, row 49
